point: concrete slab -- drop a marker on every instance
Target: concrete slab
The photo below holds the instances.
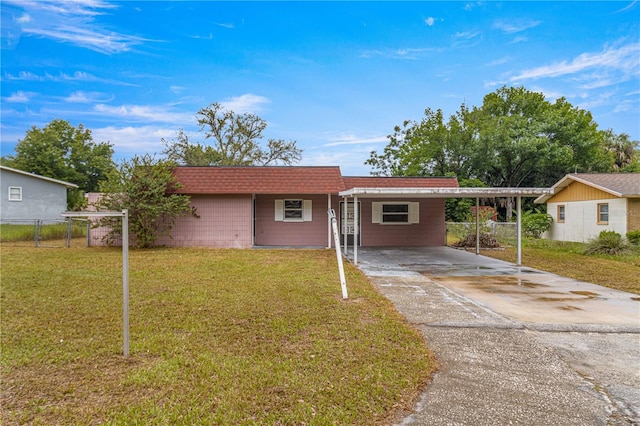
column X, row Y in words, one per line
column 515, row 345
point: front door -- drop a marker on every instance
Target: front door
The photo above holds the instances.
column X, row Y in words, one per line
column 347, row 225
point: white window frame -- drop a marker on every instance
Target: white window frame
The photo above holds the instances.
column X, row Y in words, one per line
column 11, row 196
column 281, row 209
column 378, row 213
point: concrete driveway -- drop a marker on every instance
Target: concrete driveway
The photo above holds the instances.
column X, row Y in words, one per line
column 514, row 345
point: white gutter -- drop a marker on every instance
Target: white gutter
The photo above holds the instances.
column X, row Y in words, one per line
column 445, row 192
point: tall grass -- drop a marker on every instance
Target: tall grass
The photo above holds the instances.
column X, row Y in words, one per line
column 27, row 232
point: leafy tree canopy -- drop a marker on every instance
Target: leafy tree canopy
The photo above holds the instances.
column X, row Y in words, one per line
column 64, row 152
column 144, row 186
column 516, row 138
column 234, row 142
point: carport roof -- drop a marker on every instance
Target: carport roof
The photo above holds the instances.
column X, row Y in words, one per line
column 444, row 192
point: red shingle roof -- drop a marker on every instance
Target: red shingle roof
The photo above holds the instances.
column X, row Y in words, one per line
column 290, row 180
column 259, row 180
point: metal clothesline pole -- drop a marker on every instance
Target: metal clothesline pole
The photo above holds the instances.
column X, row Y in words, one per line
column 124, row 214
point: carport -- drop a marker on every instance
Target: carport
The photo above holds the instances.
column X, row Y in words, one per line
column 477, row 193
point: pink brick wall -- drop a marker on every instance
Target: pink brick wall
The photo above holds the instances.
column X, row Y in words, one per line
column 429, row 232
column 225, row 221
column 270, row 232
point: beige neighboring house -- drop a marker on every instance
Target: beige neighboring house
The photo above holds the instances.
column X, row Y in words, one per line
column 584, row 204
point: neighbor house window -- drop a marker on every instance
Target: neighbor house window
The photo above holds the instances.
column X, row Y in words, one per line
column 293, row 210
column 603, row 214
column 561, row 213
column 15, row 193
column 395, row 213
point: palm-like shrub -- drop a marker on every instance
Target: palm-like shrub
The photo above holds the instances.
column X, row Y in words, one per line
column 608, row 242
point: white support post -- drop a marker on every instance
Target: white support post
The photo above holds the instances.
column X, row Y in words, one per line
column 519, row 230
column 477, row 226
column 356, row 224
column 345, row 209
column 329, row 222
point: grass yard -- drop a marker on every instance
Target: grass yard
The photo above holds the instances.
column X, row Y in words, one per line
column 567, row 259
column 217, row 337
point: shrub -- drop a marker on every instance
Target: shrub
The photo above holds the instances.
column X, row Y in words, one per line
column 535, row 224
column 634, row 237
column 486, row 241
column 608, row 242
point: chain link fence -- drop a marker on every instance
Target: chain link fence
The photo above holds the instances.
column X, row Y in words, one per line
column 44, row 233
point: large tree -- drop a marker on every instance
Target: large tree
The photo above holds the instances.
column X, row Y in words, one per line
column 515, row 138
column 524, row 140
column 61, row 151
column 235, row 141
column 145, row 187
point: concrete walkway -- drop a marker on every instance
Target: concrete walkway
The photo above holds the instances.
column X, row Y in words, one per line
column 514, row 345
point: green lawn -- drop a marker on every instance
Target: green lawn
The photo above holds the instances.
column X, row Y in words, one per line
column 217, row 337
column 568, row 259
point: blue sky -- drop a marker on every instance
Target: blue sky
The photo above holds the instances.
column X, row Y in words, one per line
column 336, row 77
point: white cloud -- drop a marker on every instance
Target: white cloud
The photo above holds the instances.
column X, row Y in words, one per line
column 350, row 139
column 430, row 21
column 247, row 103
column 87, row 97
column 72, row 22
column 23, row 19
column 515, row 26
column 499, row 61
column 519, row 39
column 134, row 140
column 19, row 97
column 76, row 76
column 176, row 89
column 411, row 53
column 91, row 38
column 466, row 38
column 146, row 113
column 625, row 59
column 23, row 75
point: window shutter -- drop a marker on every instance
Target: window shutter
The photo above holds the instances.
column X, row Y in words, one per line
column 414, row 212
column 279, row 210
column 376, row 212
column 306, row 210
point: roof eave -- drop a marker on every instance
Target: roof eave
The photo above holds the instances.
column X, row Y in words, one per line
column 33, row 175
column 445, row 192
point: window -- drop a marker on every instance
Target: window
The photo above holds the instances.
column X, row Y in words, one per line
column 395, row 213
column 561, row 213
column 293, row 210
column 603, row 214
column 15, row 193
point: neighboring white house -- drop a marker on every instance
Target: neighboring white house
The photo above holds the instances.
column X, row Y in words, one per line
column 584, row 204
column 27, row 196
